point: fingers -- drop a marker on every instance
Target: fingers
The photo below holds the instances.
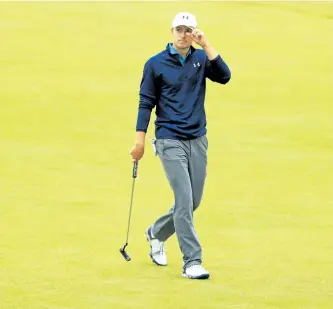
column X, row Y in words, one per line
column 136, row 153
column 196, row 33
column 135, row 158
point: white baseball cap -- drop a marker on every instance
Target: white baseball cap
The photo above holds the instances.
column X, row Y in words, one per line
column 184, row 19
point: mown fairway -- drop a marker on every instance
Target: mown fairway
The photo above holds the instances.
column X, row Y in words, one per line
column 70, row 74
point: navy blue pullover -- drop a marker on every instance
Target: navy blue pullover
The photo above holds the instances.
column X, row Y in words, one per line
column 178, row 93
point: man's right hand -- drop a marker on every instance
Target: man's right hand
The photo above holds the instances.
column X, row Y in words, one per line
column 137, row 151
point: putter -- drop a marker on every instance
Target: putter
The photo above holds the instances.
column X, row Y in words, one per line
column 122, row 250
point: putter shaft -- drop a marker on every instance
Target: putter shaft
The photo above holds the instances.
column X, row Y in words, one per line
column 122, row 250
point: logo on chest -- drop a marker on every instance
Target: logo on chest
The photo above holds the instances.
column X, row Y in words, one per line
column 196, row 64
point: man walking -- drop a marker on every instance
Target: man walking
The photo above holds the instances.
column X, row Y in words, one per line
column 174, row 81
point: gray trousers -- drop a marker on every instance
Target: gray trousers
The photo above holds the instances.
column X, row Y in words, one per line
column 185, row 163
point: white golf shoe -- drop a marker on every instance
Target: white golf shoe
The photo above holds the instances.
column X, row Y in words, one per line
column 157, row 249
column 195, row 272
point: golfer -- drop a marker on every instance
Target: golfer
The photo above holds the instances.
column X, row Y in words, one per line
column 174, row 81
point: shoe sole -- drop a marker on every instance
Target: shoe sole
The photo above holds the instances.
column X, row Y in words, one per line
column 153, row 260
column 201, row 277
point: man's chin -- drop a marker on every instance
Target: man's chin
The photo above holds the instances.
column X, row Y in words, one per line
column 183, row 45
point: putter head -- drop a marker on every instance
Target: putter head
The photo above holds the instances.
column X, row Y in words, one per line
column 124, row 254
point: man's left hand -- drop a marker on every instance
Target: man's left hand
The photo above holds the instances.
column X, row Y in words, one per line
column 198, row 36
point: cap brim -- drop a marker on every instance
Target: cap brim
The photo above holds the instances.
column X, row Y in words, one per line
column 182, row 24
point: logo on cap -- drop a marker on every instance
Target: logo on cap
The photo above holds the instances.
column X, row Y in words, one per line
column 184, row 19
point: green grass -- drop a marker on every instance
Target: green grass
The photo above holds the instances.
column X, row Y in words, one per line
column 70, row 75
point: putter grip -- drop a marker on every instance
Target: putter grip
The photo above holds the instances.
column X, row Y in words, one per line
column 135, row 169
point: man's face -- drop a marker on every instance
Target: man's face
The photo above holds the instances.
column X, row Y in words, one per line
column 181, row 39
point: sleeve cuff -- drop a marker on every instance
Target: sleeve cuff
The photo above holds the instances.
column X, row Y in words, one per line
column 216, row 58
